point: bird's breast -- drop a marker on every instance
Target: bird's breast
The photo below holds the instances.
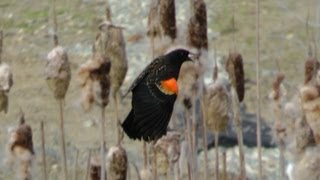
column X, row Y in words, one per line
column 169, row 86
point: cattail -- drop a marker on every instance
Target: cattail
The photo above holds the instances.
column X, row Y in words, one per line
column 117, row 163
column 154, row 27
column 20, row 149
column 234, row 67
column 168, row 18
column 197, row 27
column 95, row 82
column 5, row 80
column 218, row 105
column 95, row 168
column 58, row 73
column 311, row 101
column 6, row 83
column 311, row 66
column 110, row 42
column 276, row 95
column 167, row 151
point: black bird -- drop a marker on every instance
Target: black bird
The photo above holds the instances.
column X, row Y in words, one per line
column 153, row 95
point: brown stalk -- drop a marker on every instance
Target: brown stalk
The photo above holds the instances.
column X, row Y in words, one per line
column 88, row 165
column 75, row 166
column 205, row 143
column 224, row 165
column 216, row 146
column 1, row 45
column 258, row 88
column 55, row 24
column 63, row 143
column 154, row 164
column 194, row 135
column 43, row 148
column 103, row 144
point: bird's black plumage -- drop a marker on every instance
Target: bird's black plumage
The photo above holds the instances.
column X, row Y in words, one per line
column 151, row 105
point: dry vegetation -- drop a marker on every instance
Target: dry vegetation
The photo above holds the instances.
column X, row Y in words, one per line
column 27, row 40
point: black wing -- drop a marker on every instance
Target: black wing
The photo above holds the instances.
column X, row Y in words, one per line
column 151, row 113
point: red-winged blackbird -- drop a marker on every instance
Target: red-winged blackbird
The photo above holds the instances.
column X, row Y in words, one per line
column 153, row 95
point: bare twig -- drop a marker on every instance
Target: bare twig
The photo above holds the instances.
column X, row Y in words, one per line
column 43, row 147
column 88, row 165
column 258, row 86
column 103, row 144
column 63, row 143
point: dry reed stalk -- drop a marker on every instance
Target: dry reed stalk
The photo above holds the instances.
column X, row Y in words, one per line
column 154, row 164
column 188, row 138
column 88, row 165
column 194, row 134
column 216, row 146
column 75, row 166
column 258, row 88
column 54, row 23
column 108, row 11
column 43, row 149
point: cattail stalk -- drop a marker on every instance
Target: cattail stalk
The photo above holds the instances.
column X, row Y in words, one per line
column 1, row 45
column 205, row 143
column 258, row 87
column 75, row 168
column 55, row 24
column 154, row 164
column 224, row 165
column 103, row 145
column 194, row 136
column 216, row 145
column 43, row 148
column 119, row 135
column 189, row 144
column 239, row 135
column 63, row 143
column 88, row 165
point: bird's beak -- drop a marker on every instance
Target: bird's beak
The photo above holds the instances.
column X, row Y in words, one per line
column 193, row 57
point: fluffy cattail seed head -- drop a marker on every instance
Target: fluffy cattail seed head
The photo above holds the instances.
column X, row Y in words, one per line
column 218, row 105
column 58, row 72
column 95, row 168
column 154, row 28
column 95, row 82
column 234, row 67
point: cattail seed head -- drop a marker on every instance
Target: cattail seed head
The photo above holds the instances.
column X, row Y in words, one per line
column 218, row 105
column 58, row 72
column 117, row 163
column 6, row 83
column 20, row 149
column 311, row 66
column 168, row 18
column 154, row 28
column 95, row 82
column 276, row 89
column 234, row 67
column 197, row 27
column 95, row 168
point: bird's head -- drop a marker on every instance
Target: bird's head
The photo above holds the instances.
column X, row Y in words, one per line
column 179, row 56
